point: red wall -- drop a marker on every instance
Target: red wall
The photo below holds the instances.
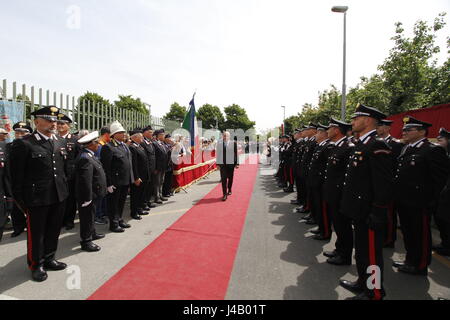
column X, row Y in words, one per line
column 439, row 116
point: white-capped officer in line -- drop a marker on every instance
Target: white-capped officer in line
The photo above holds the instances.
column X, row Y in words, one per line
column 90, row 185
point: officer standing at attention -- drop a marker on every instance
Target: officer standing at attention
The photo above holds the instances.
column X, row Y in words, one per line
column 147, row 144
column 288, row 168
column 141, row 174
column 73, row 150
column 366, row 196
column 442, row 216
column 18, row 218
column 310, row 145
column 296, row 159
column 116, row 160
column 90, row 185
column 421, row 176
column 332, row 192
column 162, row 162
column 384, row 131
column 316, row 175
column 40, row 189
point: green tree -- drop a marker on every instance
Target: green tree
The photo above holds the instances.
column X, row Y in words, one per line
column 176, row 113
column 291, row 123
column 237, row 118
column 208, row 114
column 131, row 104
column 410, row 68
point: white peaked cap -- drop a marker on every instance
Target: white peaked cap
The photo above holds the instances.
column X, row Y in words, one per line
column 89, row 138
column 116, row 127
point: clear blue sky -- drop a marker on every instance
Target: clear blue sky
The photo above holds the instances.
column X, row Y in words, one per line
column 260, row 54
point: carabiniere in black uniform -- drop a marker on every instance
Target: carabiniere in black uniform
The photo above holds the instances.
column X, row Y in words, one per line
column 39, row 187
column 421, row 175
column 366, row 196
column 337, row 163
column 316, row 175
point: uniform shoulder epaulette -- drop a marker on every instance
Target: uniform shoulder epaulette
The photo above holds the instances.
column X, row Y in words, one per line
column 85, row 155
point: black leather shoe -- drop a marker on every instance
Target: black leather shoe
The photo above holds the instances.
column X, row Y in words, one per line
column 288, row 190
column 146, row 208
column 97, row 236
column 413, row 270
column 164, row 199
column 307, row 217
column 116, row 229
column 135, row 217
column 398, row 264
column 295, row 202
column 144, row 213
column 54, row 265
column 321, row 237
column 230, row 193
column 443, row 251
column 315, row 231
column 15, row 234
column 158, row 202
column 330, row 254
column 311, row 222
column 90, row 247
column 124, row 225
column 152, row 205
column 351, row 286
column 39, row 274
column 361, row 296
column 224, row 198
column 339, row 261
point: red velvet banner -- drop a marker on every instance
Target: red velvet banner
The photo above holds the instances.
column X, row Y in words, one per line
column 187, row 173
column 439, row 116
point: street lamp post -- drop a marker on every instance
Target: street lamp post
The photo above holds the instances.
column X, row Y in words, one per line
column 343, row 9
column 284, row 118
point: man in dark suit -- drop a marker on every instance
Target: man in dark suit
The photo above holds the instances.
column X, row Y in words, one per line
column 420, row 178
column 90, row 185
column 40, row 189
column 73, row 150
column 162, row 162
column 366, row 195
column 227, row 159
column 384, row 131
column 147, row 144
column 442, row 215
column 310, row 145
column 141, row 174
column 116, row 159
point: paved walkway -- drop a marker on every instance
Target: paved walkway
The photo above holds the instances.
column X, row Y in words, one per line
column 276, row 259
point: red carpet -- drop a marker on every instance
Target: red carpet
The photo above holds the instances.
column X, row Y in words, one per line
column 193, row 259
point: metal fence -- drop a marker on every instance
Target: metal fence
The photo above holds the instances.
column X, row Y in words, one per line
column 85, row 115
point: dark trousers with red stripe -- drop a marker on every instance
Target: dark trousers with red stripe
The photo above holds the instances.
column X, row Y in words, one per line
column 392, row 224
column 344, row 231
column 319, row 211
column 44, row 227
column 415, row 226
column 289, row 175
column 369, row 253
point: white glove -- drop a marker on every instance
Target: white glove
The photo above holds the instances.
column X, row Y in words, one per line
column 84, row 205
column 111, row 189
